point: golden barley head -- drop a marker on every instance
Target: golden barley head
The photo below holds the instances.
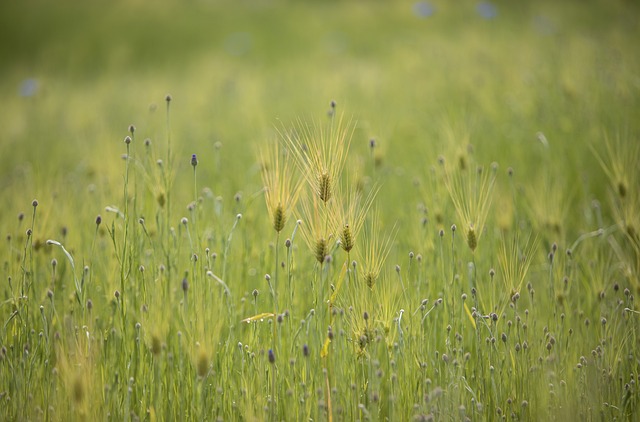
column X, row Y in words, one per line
column 472, row 240
column 346, row 240
column 324, row 187
column 279, row 218
column 321, row 250
column 370, row 279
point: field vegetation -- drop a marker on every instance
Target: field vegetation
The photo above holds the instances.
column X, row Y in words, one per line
column 320, row 211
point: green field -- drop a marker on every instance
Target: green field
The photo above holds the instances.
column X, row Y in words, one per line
column 321, row 210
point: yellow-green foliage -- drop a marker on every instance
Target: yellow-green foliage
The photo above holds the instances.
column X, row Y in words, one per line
column 168, row 277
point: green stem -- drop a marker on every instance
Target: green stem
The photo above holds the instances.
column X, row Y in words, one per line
column 123, row 262
column 274, row 292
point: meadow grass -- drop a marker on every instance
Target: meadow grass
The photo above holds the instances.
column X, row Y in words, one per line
column 342, row 211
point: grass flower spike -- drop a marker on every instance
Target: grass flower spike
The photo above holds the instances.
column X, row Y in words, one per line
column 470, row 192
column 281, row 185
column 349, row 213
column 314, row 232
column 374, row 252
column 320, row 153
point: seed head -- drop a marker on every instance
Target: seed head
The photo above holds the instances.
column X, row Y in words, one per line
column 321, row 250
column 281, row 187
column 279, row 218
column 347, row 214
column 202, row 364
column 156, row 346
column 346, row 238
column 78, row 389
column 622, row 189
column 324, row 187
column 320, row 152
column 34, row 203
column 370, row 279
column 462, row 162
column 472, row 240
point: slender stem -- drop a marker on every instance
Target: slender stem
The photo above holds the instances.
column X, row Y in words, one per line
column 195, row 208
column 166, row 175
column 275, row 289
column 453, row 273
column 123, row 261
column 274, row 293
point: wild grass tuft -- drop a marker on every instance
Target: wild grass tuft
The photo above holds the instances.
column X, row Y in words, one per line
column 471, row 193
column 320, row 151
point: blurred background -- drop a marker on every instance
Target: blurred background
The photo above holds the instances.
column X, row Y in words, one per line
column 420, row 77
